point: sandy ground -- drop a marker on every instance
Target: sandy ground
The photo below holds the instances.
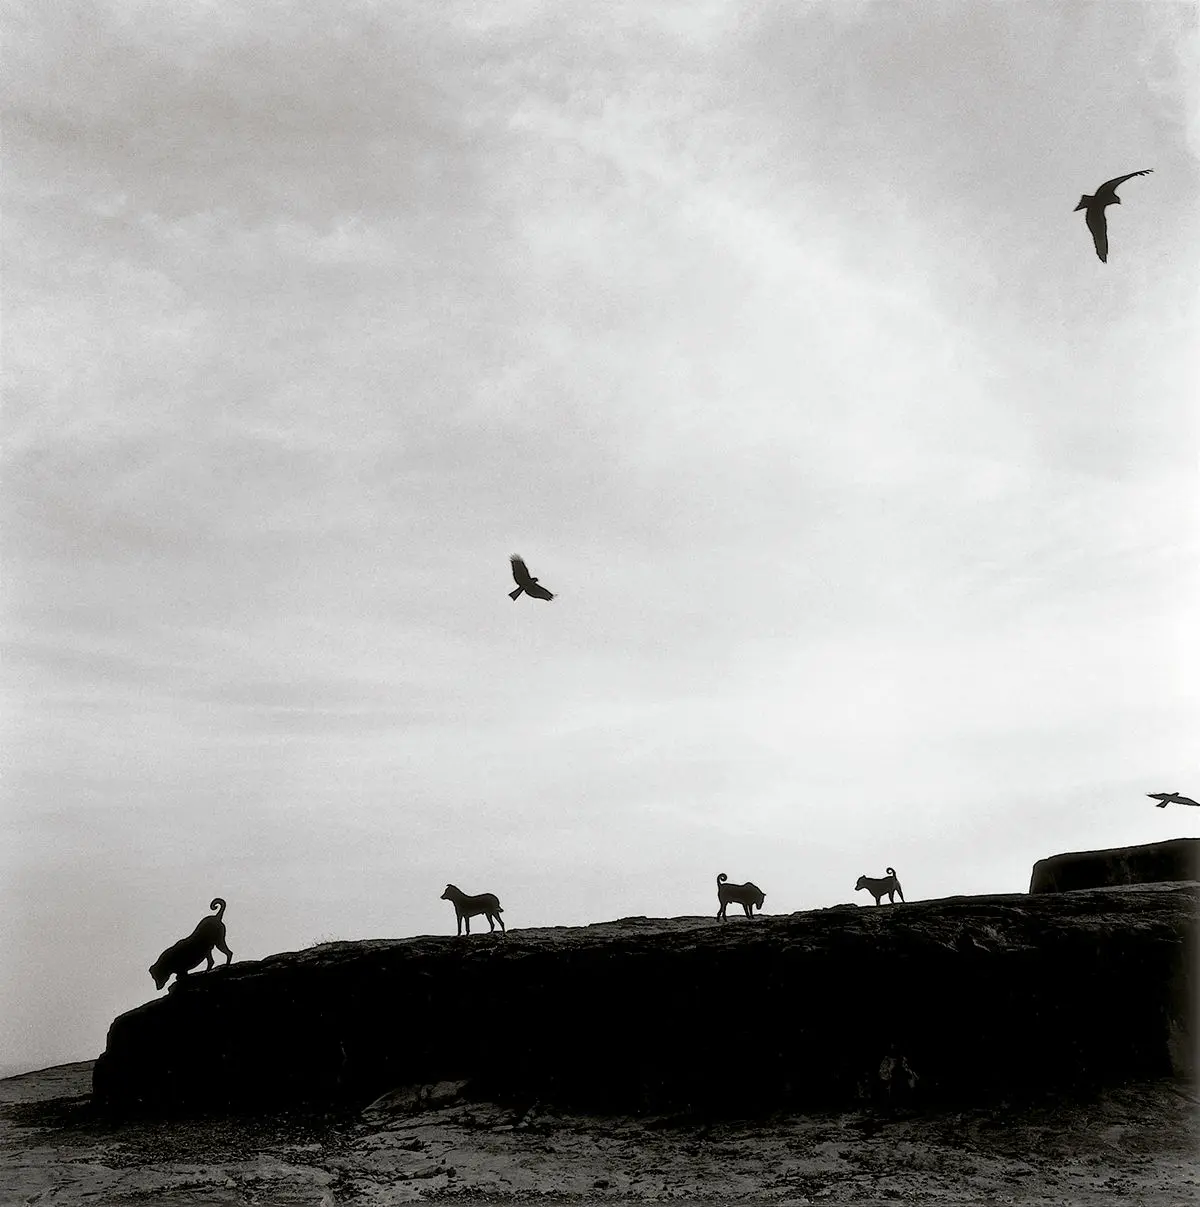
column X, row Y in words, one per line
column 1138, row 1144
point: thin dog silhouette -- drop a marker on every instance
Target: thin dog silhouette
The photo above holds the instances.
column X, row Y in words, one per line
column 180, row 958
column 525, row 581
column 887, row 884
column 465, row 908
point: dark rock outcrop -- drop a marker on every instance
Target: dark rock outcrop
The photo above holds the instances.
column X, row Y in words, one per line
column 1152, row 863
column 957, row 1000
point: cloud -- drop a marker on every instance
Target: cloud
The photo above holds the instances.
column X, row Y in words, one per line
column 775, row 349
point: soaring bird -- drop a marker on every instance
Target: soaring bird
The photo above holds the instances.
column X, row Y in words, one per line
column 1171, row 798
column 526, row 582
column 1106, row 194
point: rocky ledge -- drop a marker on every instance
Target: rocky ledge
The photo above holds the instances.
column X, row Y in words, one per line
column 1176, row 859
column 960, row 1000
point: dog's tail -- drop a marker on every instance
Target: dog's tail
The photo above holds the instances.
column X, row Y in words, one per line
column 218, row 903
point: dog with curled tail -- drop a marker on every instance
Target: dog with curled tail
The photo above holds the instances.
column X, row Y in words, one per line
column 180, row 958
column 746, row 895
column 885, row 884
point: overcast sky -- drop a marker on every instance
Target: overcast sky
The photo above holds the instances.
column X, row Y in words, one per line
column 764, row 331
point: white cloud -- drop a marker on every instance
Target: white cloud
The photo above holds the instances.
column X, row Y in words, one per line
column 779, row 355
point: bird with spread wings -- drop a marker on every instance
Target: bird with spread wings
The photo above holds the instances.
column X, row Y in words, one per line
column 526, row 582
column 1106, row 194
column 1171, row 798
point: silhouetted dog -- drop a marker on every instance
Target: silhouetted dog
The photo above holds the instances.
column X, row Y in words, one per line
column 183, row 956
column 885, row 884
column 466, row 908
column 746, row 895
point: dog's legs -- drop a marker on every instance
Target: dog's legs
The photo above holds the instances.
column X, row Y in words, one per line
column 221, row 947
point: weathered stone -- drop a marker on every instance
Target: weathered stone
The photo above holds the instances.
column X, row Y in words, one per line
column 412, row 1099
column 979, row 996
column 1152, row 863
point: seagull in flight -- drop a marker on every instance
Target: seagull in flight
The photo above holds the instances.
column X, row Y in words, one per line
column 526, row 582
column 1106, row 194
column 1171, row 798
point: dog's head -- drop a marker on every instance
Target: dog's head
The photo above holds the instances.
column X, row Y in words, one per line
column 862, row 883
column 448, row 895
column 757, row 896
column 160, row 974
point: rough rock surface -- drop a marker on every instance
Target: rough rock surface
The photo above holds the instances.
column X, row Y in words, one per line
column 932, row 1003
column 1178, row 859
column 1133, row 1144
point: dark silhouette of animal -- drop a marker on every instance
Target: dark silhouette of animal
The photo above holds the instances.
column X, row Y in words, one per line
column 888, row 884
column 1171, row 798
column 746, row 895
column 526, row 582
column 465, row 908
column 180, row 958
column 1094, row 206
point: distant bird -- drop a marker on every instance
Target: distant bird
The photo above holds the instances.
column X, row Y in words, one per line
column 526, row 582
column 1106, row 194
column 1172, row 798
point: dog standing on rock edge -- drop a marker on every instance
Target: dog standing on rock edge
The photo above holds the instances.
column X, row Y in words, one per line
column 180, row 958
column 467, row 907
column 887, row 884
column 746, row 895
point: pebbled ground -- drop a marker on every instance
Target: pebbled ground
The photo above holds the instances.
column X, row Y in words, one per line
column 1137, row 1145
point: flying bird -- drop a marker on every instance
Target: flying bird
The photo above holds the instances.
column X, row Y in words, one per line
column 526, row 582
column 1171, row 798
column 1106, row 194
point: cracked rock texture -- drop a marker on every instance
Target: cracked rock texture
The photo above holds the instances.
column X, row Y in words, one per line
column 1136, row 1143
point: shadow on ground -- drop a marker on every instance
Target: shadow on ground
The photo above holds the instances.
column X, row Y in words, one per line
column 1136, row 1142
